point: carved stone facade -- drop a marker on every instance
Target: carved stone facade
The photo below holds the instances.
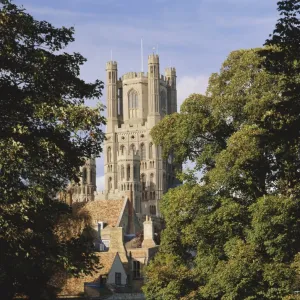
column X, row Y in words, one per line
column 85, row 190
column 134, row 167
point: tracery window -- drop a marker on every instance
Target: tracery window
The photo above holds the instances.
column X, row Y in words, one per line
column 133, row 104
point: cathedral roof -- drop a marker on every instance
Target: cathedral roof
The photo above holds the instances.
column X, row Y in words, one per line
column 107, row 211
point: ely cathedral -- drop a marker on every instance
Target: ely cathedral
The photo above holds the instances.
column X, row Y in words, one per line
column 133, row 164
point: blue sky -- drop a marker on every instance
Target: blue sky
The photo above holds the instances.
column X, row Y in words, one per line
column 195, row 36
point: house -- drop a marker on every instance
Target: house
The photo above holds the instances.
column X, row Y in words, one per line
column 123, row 246
column 112, row 273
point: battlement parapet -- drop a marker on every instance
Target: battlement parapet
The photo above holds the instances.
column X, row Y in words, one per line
column 134, row 75
column 171, row 71
column 153, row 59
column 111, row 65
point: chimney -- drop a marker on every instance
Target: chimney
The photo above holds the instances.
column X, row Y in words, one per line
column 116, row 242
column 148, row 241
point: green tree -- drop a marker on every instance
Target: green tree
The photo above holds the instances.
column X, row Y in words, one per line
column 234, row 234
column 46, row 132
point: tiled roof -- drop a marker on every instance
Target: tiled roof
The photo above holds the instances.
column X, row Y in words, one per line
column 107, row 211
column 106, row 261
column 75, row 286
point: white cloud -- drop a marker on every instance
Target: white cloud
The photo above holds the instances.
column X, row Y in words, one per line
column 188, row 85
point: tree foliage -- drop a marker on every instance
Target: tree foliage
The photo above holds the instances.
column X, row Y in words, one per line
column 235, row 234
column 46, row 132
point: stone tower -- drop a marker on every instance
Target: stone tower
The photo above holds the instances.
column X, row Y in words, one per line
column 84, row 191
column 134, row 167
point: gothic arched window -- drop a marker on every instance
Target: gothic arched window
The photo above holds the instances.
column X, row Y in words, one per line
column 150, row 151
column 109, row 183
column 128, row 172
column 143, row 181
column 143, row 152
column 133, row 104
column 163, row 103
column 122, row 149
column 122, row 172
column 109, row 154
column 132, row 148
column 151, row 181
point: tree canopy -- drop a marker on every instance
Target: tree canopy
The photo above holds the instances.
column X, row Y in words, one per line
column 234, row 234
column 46, row 133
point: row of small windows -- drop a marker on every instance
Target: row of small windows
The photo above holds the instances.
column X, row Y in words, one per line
column 144, row 165
column 129, row 187
column 132, row 149
column 146, row 194
column 83, row 189
column 143, row 181
column 128, row 174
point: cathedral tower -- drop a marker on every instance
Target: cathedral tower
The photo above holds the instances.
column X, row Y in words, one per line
column 110, row 163
column 153, row 89
column 84, row 191
column 134, row 167
column 170, row 74
column 111, row 95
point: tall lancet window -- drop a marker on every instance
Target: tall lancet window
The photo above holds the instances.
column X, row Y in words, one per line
column 122, row 172
column 109, row 183
column 150, row 151
column 132, row 149
column 143, row 152
column 122, row 149
column 128, row 172
column 163, row 103
column 133, row 104
column 109, row 154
